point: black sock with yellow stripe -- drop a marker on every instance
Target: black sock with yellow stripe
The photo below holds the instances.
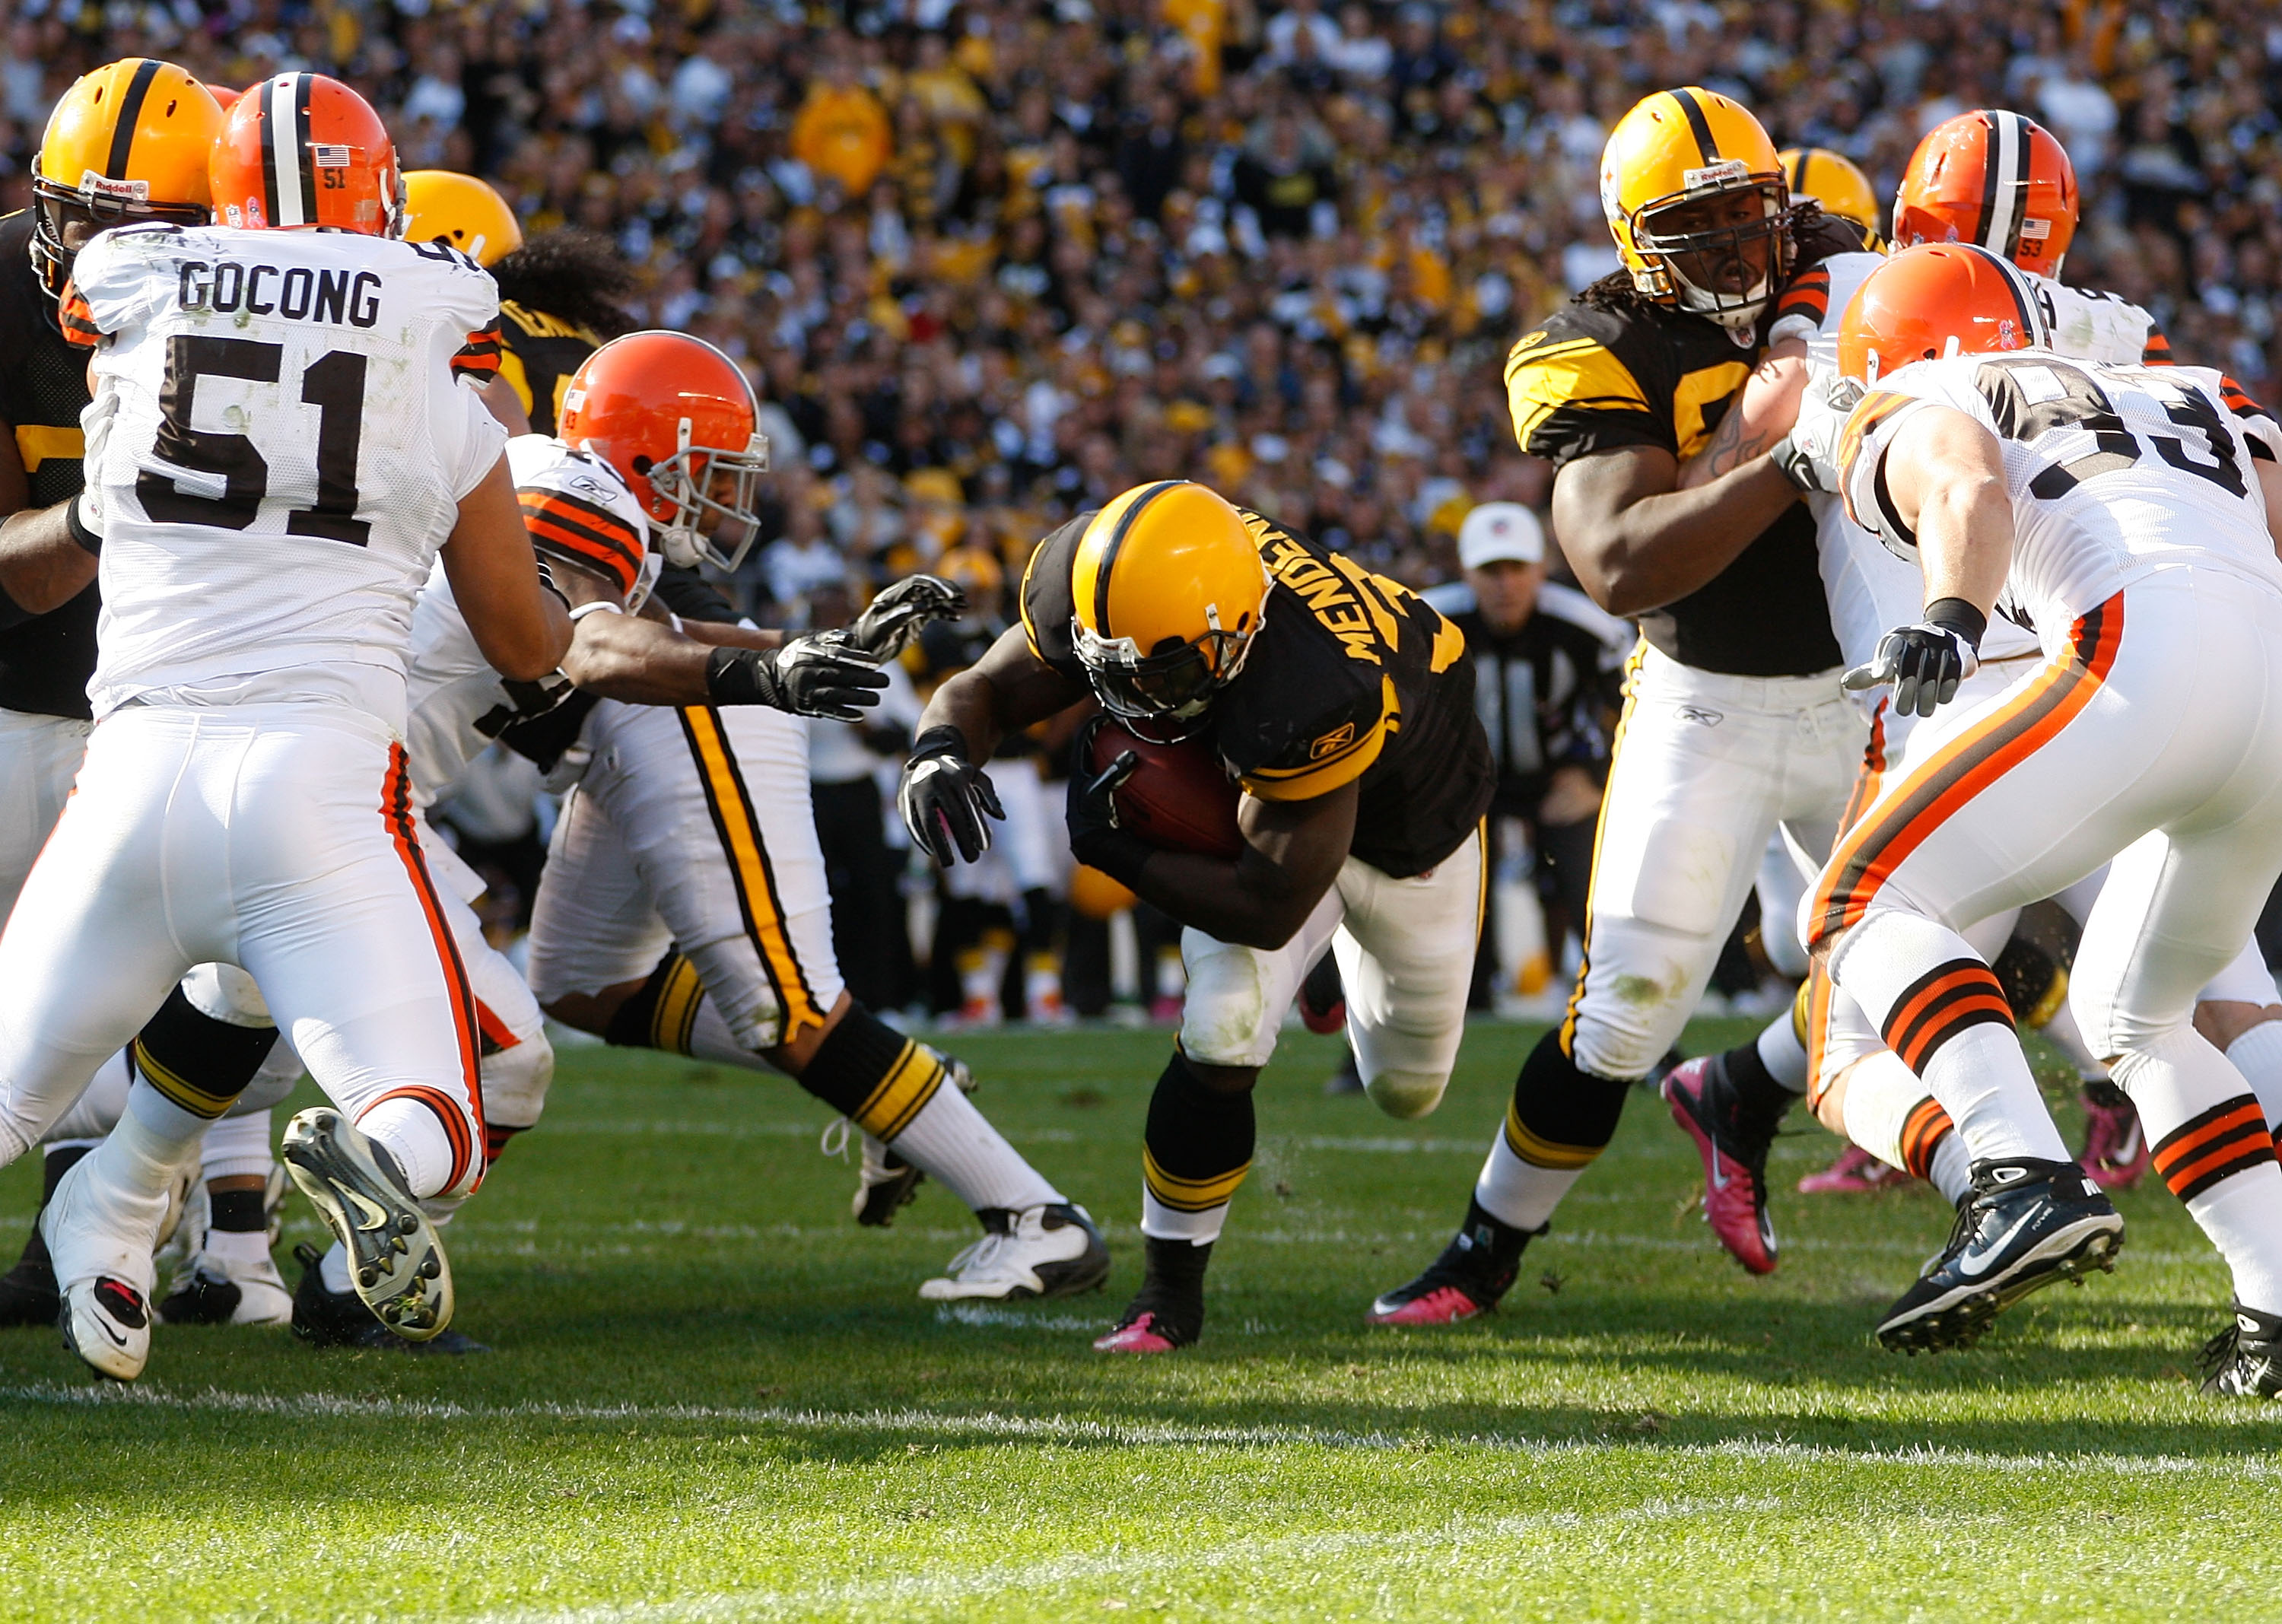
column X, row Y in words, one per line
column 873, row 1075
column 662, row 1012
column 1194, row 1154
column 196, row 1061
column 1560, row 1119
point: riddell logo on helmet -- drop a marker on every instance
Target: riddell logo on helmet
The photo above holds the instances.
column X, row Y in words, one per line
column 1719, row 174
column 103, row 186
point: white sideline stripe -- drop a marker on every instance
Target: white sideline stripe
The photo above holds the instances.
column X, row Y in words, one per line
column 615, row 1127
column 1427, row 1544
column 976, row 1314
column 995, row 1424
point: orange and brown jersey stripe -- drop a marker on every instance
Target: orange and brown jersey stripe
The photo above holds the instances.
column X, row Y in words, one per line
column 2157, row 350
column 2229, row 1138
column 1809, row 295
column 479, row 358
column 2021, row 725
column 1940, row 1003
column 582, row 532
column 77, row 320
column 462, row 1119
column 1922, row 1132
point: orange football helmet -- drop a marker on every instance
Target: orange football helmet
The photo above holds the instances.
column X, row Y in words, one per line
column 1995, row 179
column 1933, row 301
column 678, row 420
column 302, row 150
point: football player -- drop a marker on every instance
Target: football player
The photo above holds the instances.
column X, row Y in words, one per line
column 684, row 905
column 244, row 777
column 1734, row 722
column 128, row 141
column 2128, row 513
column 1343, row 706
column 1835, row 182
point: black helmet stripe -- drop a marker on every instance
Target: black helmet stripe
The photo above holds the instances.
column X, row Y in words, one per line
column 1109, row 551
column 268, row 120
column 2004, row 183
column 1697, row 124
column 2031, row 328
column 123, row 127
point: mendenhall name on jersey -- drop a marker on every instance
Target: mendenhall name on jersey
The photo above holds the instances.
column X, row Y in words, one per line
column 1350, row 679
column 578, row 509
column 277, row 449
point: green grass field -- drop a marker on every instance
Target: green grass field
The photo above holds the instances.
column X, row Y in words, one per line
column 713, row 1397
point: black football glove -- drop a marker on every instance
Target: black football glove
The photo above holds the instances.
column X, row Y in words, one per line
column 1094, row 838
column 890, row 621
column 1926, row 662
column 812, row 675
column 946, row 799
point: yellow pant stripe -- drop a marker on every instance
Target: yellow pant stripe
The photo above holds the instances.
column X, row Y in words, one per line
column 183, row 1091
column 902, row 1094
column 675, row 1017
column 1545, row 1153
column 749, row 869
column 1190, row 1195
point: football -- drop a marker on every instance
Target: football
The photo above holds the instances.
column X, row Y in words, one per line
column 1178, row 800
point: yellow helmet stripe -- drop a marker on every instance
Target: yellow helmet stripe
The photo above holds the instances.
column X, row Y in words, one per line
column 1109, row 551
column 130, row 114
column 1698, row 125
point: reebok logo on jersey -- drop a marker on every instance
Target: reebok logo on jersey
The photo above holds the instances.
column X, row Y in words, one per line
column 1701, row 717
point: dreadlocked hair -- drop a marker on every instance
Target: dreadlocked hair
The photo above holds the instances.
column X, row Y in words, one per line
column 573, row 276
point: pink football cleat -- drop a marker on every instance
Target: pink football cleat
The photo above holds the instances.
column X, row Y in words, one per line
column 1856, row 1172
column 1138, row 1335
column 1735, row 1170
column 2114, row 1150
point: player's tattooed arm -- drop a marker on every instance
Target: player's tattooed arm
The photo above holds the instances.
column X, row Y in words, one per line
column 1762, row 415
column 1293, row 850
column 1637, row 541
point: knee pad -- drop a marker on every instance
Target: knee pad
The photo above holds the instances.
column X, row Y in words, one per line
column 515, row 1081
column 1405, row 1095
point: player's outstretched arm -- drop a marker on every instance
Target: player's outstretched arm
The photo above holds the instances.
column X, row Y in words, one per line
column 946, row 798
column 1638, row 541
column 523, row 628
column 650, row 662
column 1260, row 898
column 44, row 562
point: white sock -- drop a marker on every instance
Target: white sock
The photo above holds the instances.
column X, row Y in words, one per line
column 1781, row 1052
column 2258, row 1054
column 1880, row 1093
column 1952, row 1170
column 1898, row 965
column 236, row 1147
column 2210, row 1144
column 1160, row 1221
column 2061, row 1031
column 416, row 1139
column 333, row 1270
column 131, row 1172
column 2242, row 1213
column 951, row 1141
column 1521, row 1192
column 250, row 1248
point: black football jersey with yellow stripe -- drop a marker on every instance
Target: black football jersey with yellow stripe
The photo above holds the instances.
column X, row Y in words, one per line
column 44, row 662
column 1590, row 378
column 538, row 354
column 1349, row 678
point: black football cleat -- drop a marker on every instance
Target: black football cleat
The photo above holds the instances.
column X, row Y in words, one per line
column 2025, row 1224
column 326, row 1319
column 2245, row 1360
column 28, row 1295
column 1168, row 1311
column 1475, row 1269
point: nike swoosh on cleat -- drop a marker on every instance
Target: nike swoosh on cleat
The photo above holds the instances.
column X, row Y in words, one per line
column 1971, row 1267
column 117, row 1340
column 369, row 1214
column 1719, row 1180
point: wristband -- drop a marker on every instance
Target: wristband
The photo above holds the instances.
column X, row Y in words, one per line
column 90, row 539
column 600, row 606
column 734, row 677
column 1956, row 615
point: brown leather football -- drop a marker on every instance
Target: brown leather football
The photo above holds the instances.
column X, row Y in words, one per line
column 1177, row 799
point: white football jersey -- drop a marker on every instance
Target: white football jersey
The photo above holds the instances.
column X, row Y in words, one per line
column 1871, row 590
column 276, row 450
column 459, row 703
column 2115, row 472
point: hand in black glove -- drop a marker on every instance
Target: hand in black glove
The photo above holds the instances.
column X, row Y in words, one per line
column 1094, row 838
column 1926, row 662
column 945, row 798
column 890, row 621
column 813, row 675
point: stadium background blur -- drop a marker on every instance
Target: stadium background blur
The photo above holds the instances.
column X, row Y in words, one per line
column 989, row 262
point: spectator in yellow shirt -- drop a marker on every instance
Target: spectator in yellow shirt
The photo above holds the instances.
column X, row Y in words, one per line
column 841, row 132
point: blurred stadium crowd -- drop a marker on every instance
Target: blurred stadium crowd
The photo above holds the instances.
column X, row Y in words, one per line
column 990, row 262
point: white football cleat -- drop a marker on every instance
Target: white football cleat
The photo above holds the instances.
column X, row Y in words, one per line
column 1052, row 1251
column 395, row 1259
column 212, row 1289
column 100, row 1238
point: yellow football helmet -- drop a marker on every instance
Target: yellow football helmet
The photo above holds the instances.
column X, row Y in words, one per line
column 462, row 211
column 1169, row 591
column 128, row 141
column 1679, row 150
column 1833, row 180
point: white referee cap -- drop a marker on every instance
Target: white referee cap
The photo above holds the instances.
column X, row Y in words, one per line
column 1500, row 529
